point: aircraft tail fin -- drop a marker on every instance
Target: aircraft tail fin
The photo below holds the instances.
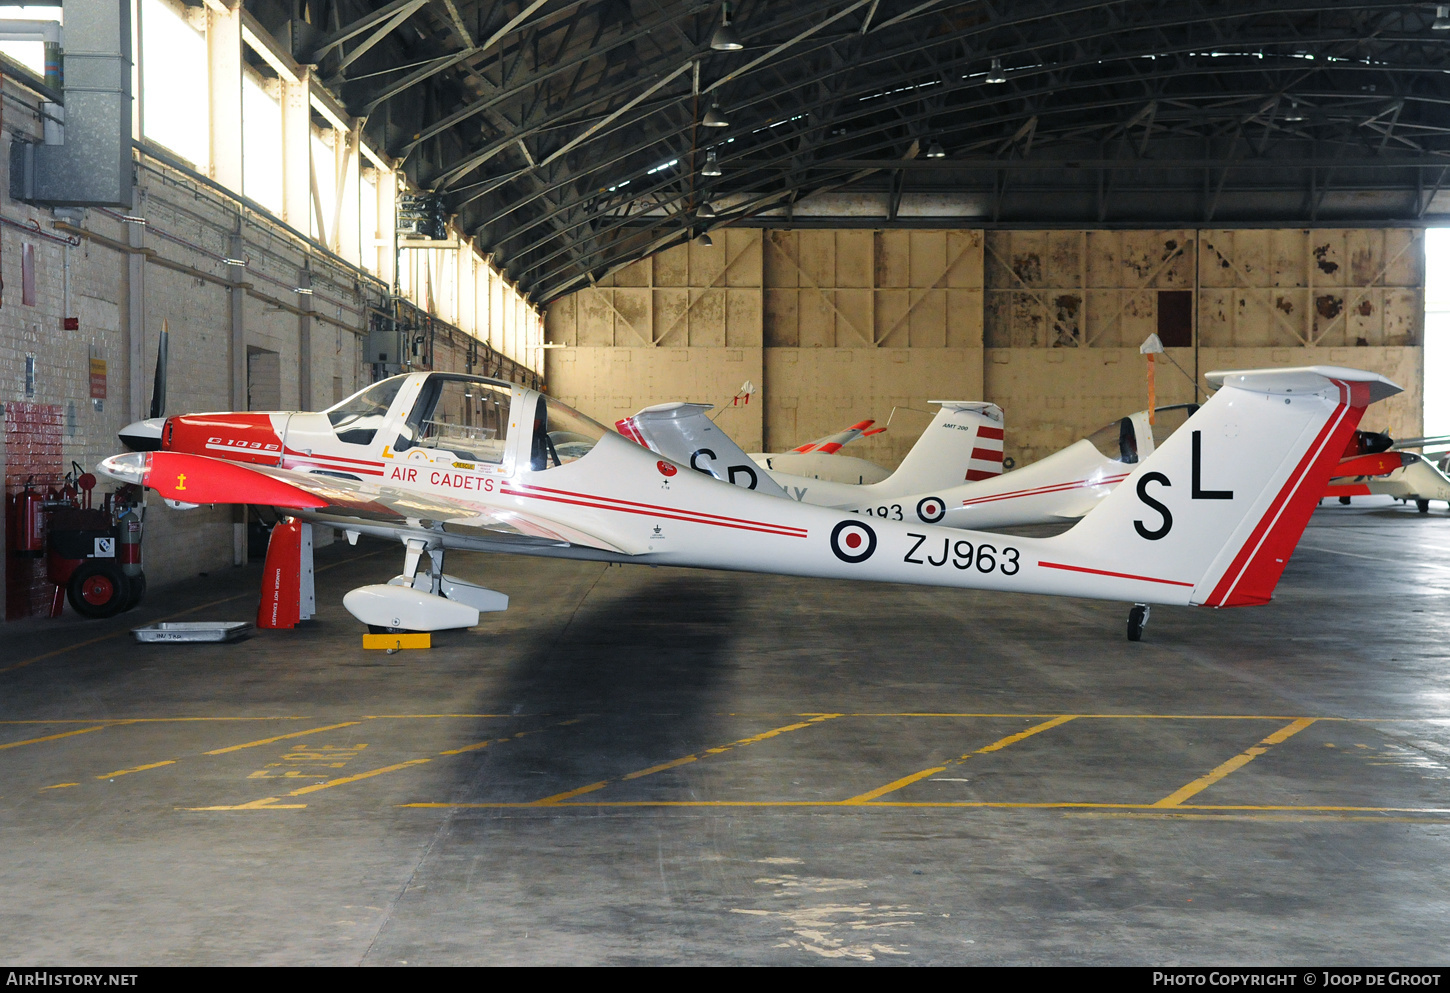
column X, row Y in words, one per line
column 682, row 433
column 963, row 442
column 1219, row 508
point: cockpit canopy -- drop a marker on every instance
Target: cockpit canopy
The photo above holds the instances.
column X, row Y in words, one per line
column 471, row 418
column 1131, row 439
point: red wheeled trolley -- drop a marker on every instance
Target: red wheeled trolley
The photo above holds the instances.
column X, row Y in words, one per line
column 93, row 554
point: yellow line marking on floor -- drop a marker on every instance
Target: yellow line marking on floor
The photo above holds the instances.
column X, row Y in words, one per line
column 413, row 717
column 266, row 803
column 557, row 798
column 1202, row 783
column 280, row 737
column 139, row 768
column 941, row 804
column 353, row 779
column 180, row 613
column 59, row 786
column 271, row 802
column 513, row 737
column 54, row 737
column 1284, row 818
column 1146, row 717
column 995, row 746
column 1081, row 717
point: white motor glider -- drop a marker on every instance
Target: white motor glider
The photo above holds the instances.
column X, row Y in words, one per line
column 441, row 461
column 963, row 442
column 1061, row 487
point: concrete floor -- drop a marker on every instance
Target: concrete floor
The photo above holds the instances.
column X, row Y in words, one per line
column 659, row 766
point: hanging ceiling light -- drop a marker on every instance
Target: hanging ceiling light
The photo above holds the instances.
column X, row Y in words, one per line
column 935, row 151
column 1442, row 19
column 725, row 39
column 712, row 166
column 706, row 209
column 704, row 241
column 1293, row 114
column 715, row 117
column 996, row 76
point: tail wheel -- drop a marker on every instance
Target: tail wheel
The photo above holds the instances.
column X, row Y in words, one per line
column 98, row 589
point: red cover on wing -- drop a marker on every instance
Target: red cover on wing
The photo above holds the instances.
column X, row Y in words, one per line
column 1377, row 464
column 198, row 479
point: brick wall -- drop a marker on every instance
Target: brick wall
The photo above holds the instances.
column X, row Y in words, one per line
column 33, row 454
column 93, row 279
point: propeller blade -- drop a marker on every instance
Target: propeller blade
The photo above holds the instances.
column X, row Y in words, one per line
column 158, row 388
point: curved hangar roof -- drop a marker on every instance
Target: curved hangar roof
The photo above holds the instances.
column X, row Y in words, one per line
column 574, row 136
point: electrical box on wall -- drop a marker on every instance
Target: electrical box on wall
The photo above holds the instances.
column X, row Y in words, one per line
column 386, row 347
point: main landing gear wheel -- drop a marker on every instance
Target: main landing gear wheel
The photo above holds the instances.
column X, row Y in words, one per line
column 1137, row 620
column 1423, row 506
column 98, row 588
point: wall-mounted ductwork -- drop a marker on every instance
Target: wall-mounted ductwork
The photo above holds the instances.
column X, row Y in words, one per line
column 90, row 165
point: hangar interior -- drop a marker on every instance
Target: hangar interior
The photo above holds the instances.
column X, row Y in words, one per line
column 807, row 214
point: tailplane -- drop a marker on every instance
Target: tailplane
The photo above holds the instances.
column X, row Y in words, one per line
column 1221, row 505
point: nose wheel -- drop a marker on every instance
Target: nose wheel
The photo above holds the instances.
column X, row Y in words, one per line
column 1137, row 621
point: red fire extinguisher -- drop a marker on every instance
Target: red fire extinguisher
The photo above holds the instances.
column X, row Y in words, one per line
column 129, row 554
column 30, row 522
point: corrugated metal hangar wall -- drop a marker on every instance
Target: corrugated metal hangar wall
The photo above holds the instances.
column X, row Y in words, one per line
column 834, row 326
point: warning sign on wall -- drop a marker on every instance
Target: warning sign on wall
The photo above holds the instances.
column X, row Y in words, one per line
column 98, row 379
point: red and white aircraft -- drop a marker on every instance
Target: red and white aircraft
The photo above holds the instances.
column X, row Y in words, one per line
column 442, row 461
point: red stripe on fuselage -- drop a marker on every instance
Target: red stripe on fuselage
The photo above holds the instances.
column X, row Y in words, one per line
column 299, row 463
column 656, row 507
column 1115, row 575
column 323, row 456
column 1040, row 490
column 691, row 517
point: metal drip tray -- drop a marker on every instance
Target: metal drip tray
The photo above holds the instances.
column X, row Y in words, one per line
column 192, row 631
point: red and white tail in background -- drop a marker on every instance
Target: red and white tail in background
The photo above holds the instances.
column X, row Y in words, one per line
column 1221, row 505
column 962, row 442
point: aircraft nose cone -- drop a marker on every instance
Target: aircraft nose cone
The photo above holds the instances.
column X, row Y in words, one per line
column 143, row 436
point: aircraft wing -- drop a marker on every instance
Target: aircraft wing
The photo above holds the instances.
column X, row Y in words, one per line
column 189, row 479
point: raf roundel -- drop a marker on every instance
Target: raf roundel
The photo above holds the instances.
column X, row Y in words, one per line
column 853, row 541
column 931, row 509
column 665, row 468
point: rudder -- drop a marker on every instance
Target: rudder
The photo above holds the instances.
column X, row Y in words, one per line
column 1221, row 505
